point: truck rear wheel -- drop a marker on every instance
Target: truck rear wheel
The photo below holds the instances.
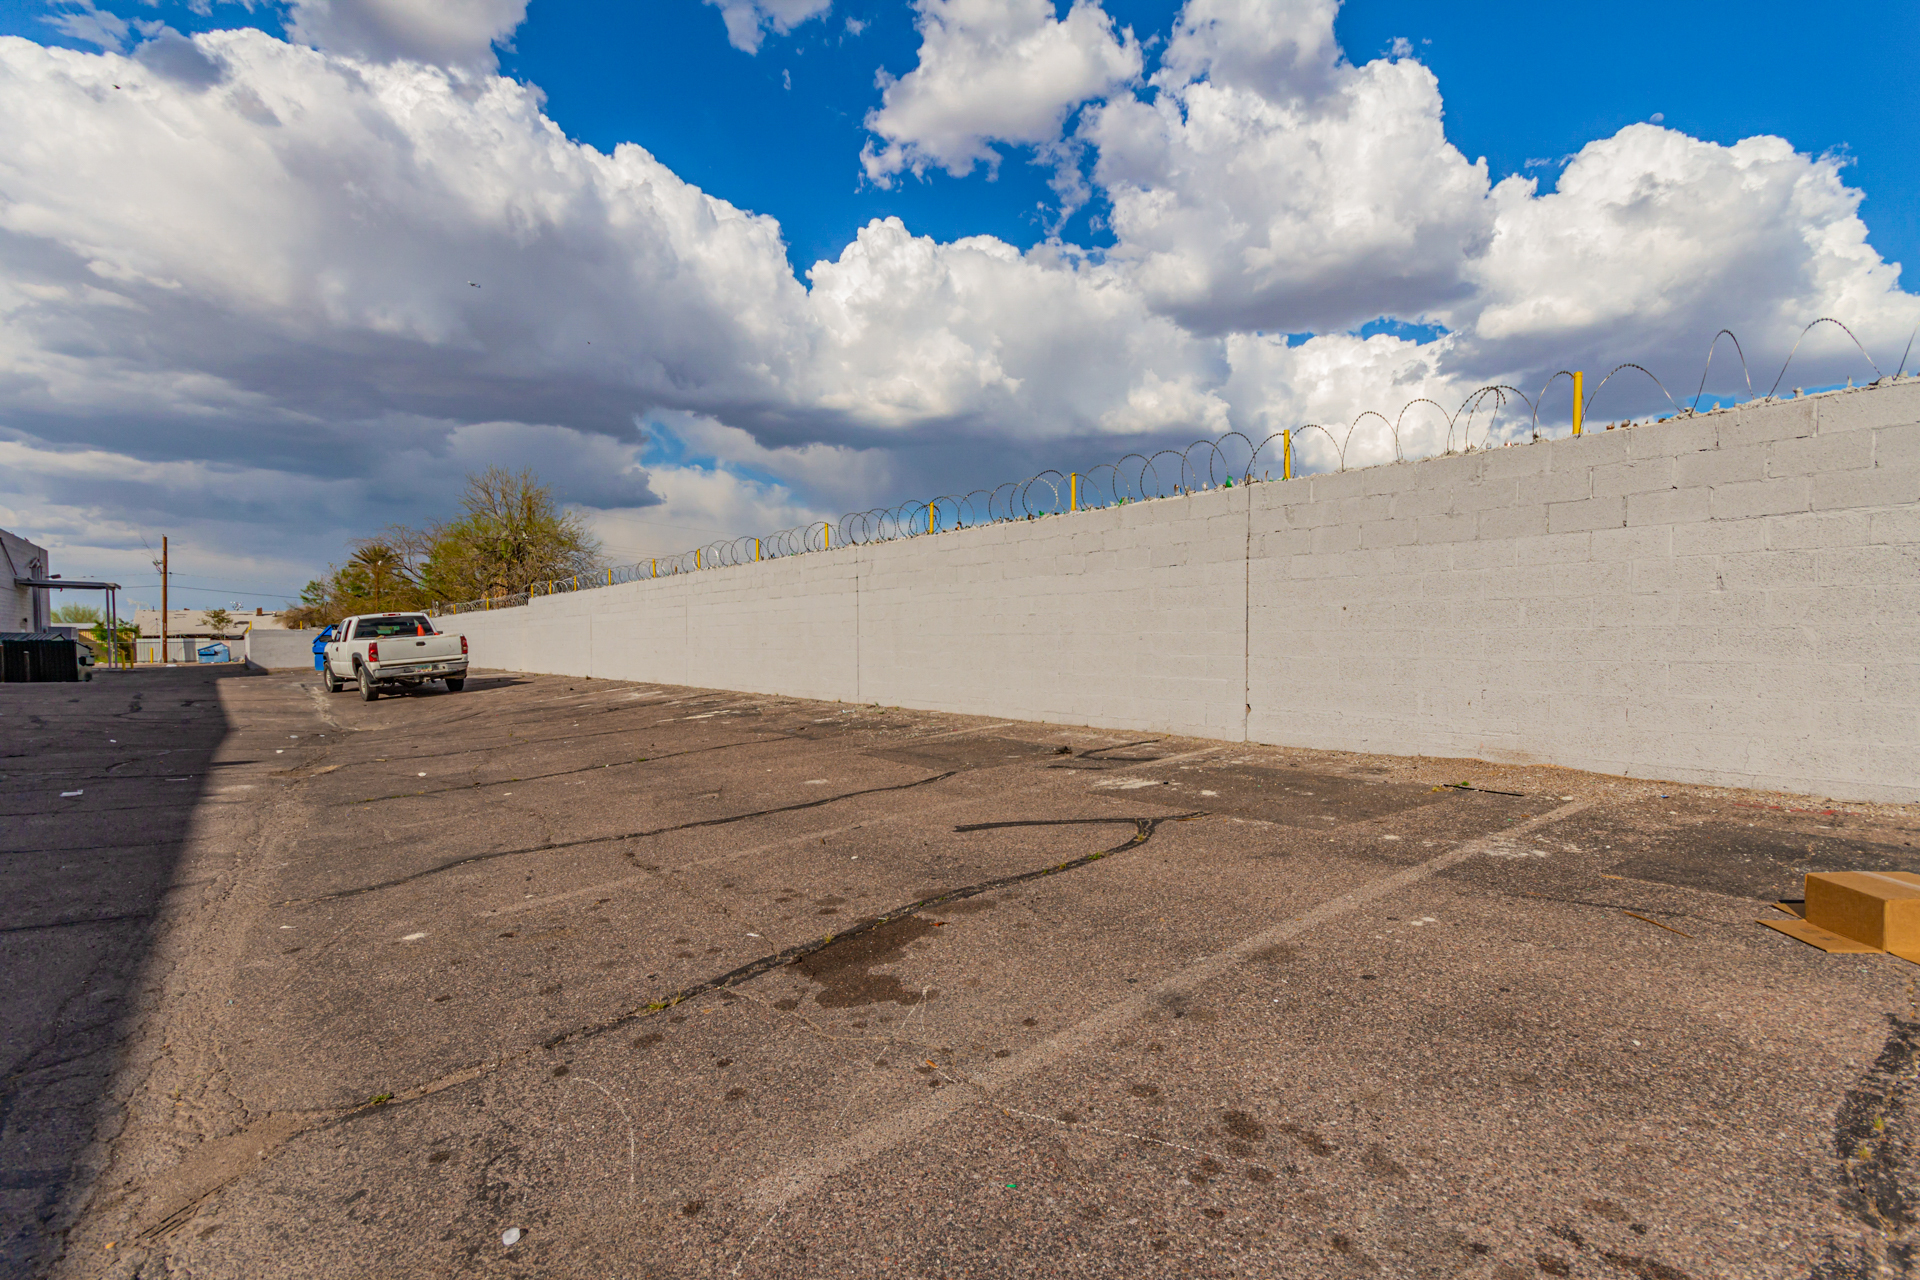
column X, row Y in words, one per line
column 367, row 692
column 330, row 681
column 456, row 683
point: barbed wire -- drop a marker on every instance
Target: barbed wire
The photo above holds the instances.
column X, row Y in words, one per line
column 1206, row 464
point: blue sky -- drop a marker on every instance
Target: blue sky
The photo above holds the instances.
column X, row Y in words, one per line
column 266, row 292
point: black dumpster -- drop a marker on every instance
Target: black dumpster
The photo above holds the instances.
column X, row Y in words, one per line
column 37, row 655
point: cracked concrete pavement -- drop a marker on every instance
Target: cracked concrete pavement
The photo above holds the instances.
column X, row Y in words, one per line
column 677, row 982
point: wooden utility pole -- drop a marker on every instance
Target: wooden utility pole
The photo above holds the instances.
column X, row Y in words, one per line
column 163, row 598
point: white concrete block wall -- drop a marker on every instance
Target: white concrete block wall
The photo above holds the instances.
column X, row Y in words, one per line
column 787, row 626
column 1133, row 617
column 272, row 647
column 1707, row 599
column 1730, row 598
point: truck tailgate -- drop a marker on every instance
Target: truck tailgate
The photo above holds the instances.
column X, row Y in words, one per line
column 400, row 652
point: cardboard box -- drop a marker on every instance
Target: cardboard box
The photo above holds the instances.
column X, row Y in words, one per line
column 1860, row 911
column 1879, row 908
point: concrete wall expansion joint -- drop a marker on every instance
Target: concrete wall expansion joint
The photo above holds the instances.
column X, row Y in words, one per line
column 1732, row 598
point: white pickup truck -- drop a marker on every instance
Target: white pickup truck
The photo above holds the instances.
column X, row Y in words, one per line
column 391, row 652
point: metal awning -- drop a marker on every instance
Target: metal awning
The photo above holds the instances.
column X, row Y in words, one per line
column 76, row 583
column 80, row 584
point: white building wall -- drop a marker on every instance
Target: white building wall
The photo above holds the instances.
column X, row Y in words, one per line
column 1732, row 598
column 23, row 608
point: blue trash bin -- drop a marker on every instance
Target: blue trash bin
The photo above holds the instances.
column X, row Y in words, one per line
column 215, row 653
column 320, row 643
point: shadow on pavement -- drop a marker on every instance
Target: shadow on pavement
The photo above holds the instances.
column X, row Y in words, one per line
column 98, row 786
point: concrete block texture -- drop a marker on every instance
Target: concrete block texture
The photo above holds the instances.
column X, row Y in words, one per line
column 1895, row 445
column 1852, row 528
column 1636, row 475
column 1897, row 485
column 1805, row 455
column 1597, row 448
column 1728, row 598
column 1667, row 506
column 1721, row 466
column 1896, row 404
column 1674, row 439
column 1593, row 513
column 1561, row 484
column 1527, row 520
column 1513, row 462
column 1763, row 422
column 1760, row 498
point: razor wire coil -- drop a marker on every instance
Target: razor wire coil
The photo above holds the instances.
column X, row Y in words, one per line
column 1223, row 462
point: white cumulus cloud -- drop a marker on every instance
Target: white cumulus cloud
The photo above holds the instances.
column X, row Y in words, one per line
column 344, row 273
column 1279, row 49
column 994, row 71
column 749, row 21
column 1026, row 346
column 1269, row 184
column 453, row 33
column 1654, row 239
column 323, row 238
column 84, row 21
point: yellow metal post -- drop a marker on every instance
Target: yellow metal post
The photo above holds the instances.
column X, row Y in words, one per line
column 1579, row 398
column 576, row 582
column 653, row 570
column 1286, row 455
column 609, row 577
column 696, row 558
column 827, row 536
column 930, row 510
column 1073, row 491
column 756, row 551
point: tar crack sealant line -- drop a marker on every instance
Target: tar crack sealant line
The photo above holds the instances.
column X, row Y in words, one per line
column 805, row 1175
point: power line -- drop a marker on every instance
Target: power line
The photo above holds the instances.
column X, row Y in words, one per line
column 223, row 584
column 227, row 590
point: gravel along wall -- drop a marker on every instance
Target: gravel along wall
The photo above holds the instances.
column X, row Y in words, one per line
column 1729, row 598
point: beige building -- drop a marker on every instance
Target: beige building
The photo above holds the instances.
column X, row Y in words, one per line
column 188, row 629
column 193, row 622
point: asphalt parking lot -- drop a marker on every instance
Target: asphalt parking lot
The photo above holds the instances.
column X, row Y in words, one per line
column 653, row 981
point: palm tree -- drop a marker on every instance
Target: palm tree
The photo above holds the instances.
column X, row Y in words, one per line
column 383, row 564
